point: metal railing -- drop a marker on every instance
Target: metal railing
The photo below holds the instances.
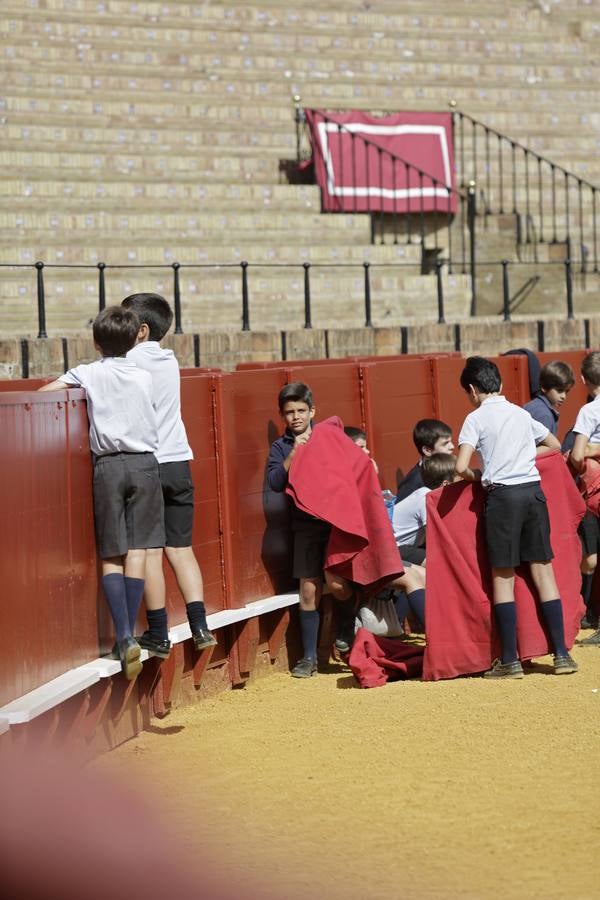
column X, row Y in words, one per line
column 440, row 268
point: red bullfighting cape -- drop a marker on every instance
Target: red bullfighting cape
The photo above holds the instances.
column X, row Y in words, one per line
column 375, row 660
column 333, row 479
column 589, row 485
column 461, row 630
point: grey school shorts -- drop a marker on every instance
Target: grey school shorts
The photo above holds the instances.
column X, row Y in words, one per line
column 128, row 503
column 517, row 526
column 310, row 543
column 178, row 496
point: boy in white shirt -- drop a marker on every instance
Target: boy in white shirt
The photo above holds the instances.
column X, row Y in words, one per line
column 410, row 515
column 516, row 517
column 128, row 505
column 174, row 455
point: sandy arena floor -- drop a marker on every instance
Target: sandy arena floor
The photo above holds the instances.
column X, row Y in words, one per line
column 460, row 789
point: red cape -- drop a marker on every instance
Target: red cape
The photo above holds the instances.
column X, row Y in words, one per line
column 333, row 479
column 461, row 635
column 589, row 485
column 376, row 660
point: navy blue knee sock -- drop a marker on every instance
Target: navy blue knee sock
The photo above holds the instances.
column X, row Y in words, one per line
column 116, row 597
column 506, row 617
column 134, row 591
column 553, row 614
column 196, row 614
column 416, row 603
column 401, row 604
column 309, row 626
column 157, row 624
column 586, row 589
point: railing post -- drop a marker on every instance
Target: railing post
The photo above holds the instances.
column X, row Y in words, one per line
column 41, row 299
column 177, row 297
column 368, row 321
column 505, row 291
column 101, row 287
column 440, row 291
column 307, row 316
column 245, row 299
column 299, row 120
column 471, row 217
column 569, row 278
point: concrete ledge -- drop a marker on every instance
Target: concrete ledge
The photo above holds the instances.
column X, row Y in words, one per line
column 39, row 701
column 4, row 725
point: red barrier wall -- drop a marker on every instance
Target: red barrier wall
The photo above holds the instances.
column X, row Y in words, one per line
column 577, row 396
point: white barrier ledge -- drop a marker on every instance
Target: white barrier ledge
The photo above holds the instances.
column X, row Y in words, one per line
column 225, row 617
column 51, row 694
column 4, row 725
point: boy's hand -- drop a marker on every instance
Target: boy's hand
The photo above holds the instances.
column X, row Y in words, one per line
column 302, row 438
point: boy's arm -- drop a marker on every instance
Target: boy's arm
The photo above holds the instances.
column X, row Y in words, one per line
column 547, row 444
column 465, row 452
column 577, row 457
column 592, row 451
column 57, row 385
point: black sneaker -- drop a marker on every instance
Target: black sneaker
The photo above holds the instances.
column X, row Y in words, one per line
column 129, row 654
column 592, row 641
column 203, row 638
column 304, row 668
column 505, row 670
column 156, row 646
column 114, row 653
column 565, row 665
column 589, row 621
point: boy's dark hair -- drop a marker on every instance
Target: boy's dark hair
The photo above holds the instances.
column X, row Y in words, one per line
column 298, row 392
column 115, row 330
column 437, row 468
column 557, row 375
column 590, row 368
column 355, row 434
column 482, row 373
column 427, row 432
column 153, row 311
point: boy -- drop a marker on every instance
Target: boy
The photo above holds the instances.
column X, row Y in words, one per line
column 297, row 409
column 587, row 432
column 429, row 436
column 516, row 518
column 174, row 455
column 556, row 380
column 410, row 514
column 128, row 506
column 359, row 437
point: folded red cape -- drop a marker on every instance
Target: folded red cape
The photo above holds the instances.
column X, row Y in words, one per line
column 376, row 660
column 461, row 631
column 589, row 485
column 333, row 479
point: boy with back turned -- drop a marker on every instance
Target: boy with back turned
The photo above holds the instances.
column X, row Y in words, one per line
column 517, row 526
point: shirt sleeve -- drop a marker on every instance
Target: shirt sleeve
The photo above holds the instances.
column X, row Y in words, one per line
column 277, row 476
column 469, row 433
column 74, row 376
column 585, row 423
column 540, row 431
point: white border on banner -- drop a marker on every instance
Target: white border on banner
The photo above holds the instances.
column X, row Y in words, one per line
column 386, row 193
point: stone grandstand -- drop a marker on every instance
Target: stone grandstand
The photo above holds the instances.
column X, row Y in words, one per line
column 140, row 133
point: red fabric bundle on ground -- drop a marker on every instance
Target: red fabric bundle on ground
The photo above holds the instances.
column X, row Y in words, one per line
column 461, row 636
column 333, row 479
column 375, row 660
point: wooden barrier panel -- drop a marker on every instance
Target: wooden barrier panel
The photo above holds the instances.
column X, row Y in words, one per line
column 48, row 614
column 294, row 363
column 336, row 390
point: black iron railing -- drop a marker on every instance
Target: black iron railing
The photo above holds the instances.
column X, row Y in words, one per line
column 507, row 303
column 554, row 205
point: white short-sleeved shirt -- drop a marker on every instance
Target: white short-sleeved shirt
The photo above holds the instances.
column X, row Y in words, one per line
column 409, row 519
column 588, row 421
column 162, row 365
column 505, row 437
column 119, row 405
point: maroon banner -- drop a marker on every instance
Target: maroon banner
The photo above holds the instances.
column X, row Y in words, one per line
column 398, row 163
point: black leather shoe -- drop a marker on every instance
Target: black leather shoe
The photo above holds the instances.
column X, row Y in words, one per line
column 114, row 653
column 129, row 654
column 203, row 639
column 160, row 648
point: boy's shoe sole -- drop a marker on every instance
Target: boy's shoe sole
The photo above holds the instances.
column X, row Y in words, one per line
column 305, row 668
column 203, row 639
column 129, row 654
column 505, row 670
column 160, row 648
column 565, row 665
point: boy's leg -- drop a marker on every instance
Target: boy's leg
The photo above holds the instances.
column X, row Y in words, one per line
column 156, row 637
column 412, row 584
column 505, row 613
column 309, row 597
column 542, row 575
column 113, row 583
column 189, row 580
column 344, row 593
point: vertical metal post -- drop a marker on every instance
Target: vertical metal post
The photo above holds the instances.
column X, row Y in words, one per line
column 24, row 358
column 500, row 176
column 488, row 200
column 554, row 238
column 567, row 211
column 307, row 316
column 421, row 211
column 471, row 217
column 541, row 199
column 368, row 322
column 513, row 154
column 582, row 250
column 569, row 278
column 353, row 146
column 527, row 211
column 298, row 118
column 340, row 132
column 177, row 298
column 440, row 291
column 245, row 298
column 407, row 169
column 449, row 226
column 594, row 229
column 505, row 291
column 101, row 287
column 41, row 299
column 381, row 211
